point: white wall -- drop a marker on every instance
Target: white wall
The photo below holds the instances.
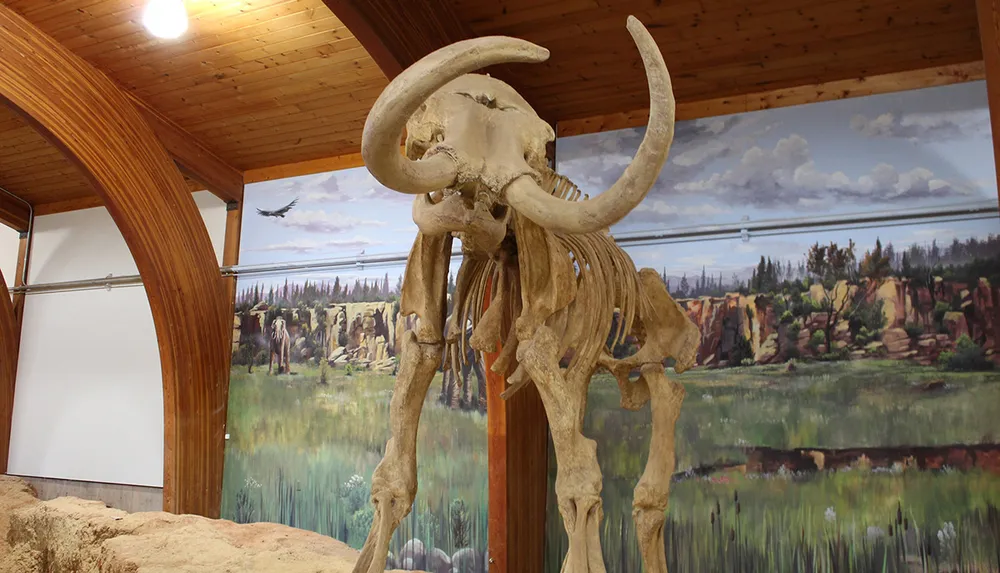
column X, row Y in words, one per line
column 9, row 242
column 88, row 403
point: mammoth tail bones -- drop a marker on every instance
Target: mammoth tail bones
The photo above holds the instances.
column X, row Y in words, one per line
column 542, row 256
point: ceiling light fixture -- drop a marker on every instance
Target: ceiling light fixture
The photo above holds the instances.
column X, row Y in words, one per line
column 165, row 18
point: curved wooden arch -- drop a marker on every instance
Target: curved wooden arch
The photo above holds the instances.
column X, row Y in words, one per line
column 8, row 369
column 84, row 114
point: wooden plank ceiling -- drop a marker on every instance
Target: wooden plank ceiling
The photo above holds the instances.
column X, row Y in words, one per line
column 719, row 48
column 267, row 83
column 259, row 83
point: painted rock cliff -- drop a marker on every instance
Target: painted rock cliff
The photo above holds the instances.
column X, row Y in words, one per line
column 895, row 319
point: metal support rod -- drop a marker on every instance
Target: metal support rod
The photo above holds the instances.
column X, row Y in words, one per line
column 961, row 212
column 746, row 229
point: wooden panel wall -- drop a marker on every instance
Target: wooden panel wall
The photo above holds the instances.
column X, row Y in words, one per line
column 86, row 116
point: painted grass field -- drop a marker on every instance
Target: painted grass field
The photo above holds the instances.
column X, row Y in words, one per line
column 302, row 453
column 296, row 446
column 828, row 521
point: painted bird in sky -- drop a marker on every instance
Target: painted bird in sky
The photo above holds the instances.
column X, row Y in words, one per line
column 278, row 212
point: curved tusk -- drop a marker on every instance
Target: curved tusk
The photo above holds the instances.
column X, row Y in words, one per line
column 631, row 188
column 408, row 91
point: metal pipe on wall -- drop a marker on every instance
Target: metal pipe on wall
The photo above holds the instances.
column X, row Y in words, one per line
column 745, row 230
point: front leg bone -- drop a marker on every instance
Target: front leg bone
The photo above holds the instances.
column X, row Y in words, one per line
column 394, row 483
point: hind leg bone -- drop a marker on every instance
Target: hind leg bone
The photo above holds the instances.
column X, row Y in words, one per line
column 653, row 491
column 578, row 479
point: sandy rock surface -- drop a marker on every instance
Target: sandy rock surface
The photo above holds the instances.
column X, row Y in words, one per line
column 70, row 534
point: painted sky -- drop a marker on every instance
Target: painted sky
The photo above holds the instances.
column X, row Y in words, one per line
column 337, row 214
column 912, row 149
column 727, row 257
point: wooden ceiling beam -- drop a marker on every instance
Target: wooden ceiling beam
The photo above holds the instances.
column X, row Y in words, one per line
column 192, row 157
column 811, row 93
column 396, row 34
column 303, row 168
column 14, row 213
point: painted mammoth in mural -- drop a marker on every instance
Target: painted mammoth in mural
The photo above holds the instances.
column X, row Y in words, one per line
column 279, row 346
column 541, row 259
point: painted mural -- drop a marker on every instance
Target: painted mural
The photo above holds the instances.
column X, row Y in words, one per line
column 314, row 361
column 842, row 413
column 842, row 416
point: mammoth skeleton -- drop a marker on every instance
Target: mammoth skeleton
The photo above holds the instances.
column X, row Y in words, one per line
column 475, row 162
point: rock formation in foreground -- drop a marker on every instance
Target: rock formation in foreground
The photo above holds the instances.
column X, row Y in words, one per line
column 70, row 534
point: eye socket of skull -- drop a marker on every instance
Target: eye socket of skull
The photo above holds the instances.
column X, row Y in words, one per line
column 420, row 131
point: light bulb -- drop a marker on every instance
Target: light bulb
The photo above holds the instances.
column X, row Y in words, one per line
column 165, row 18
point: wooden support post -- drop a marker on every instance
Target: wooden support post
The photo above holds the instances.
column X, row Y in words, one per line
column 989, row 35
column 231, row 246
column 231, row 257
column 517, row 431
column 496, row 435
column 23, row 257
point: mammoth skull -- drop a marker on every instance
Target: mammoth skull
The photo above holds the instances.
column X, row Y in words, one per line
column 475, row 149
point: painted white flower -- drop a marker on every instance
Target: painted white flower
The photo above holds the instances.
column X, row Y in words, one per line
column 354, row 482
column 874, row 532
column 830, row 515
column 947, row 532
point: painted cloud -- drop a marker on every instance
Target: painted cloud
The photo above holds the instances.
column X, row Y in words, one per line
column 941, row 126
column 923, row 148
column 323, row 222
column 786, row 175
column 348, row 185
